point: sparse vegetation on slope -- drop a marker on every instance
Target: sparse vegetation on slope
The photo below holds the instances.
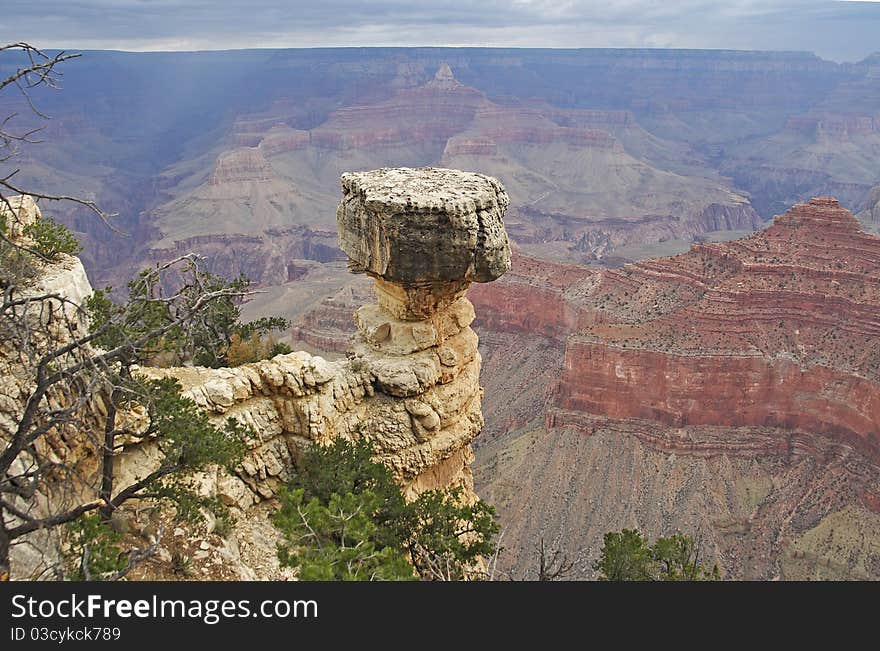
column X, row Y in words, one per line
column 627, row 556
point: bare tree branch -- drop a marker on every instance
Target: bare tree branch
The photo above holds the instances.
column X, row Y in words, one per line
column 59, row 518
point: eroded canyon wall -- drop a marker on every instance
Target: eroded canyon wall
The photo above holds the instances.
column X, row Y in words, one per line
column 733, row 391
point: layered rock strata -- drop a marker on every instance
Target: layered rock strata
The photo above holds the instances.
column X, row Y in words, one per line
column 328, row 328
column 743, row 333
column 732, row 392
column 583, row 182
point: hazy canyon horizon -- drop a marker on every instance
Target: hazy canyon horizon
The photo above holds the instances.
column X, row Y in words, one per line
column 664, row 353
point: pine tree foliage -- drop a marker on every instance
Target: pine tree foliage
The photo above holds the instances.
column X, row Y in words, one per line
column 627, row 556
column 344, row 517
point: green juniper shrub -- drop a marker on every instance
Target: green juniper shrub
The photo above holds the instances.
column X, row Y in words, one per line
column 627, row 556
column 189, row 443
column 344, row 517
column 339, row 540
column 208, row 337
column 447, row 535
column 94, row 549
column 52, row 239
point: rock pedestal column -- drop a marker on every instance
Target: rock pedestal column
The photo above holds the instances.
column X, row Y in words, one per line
column 424, row 235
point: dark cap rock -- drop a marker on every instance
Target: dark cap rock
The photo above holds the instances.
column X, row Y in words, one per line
column 419, row 227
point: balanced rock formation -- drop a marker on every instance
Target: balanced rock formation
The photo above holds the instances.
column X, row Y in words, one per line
column 424, row 235
column 411, row 382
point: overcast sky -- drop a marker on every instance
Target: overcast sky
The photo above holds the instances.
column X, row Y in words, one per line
column 839, row 30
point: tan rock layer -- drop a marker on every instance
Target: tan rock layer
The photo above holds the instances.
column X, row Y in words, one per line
column 415, row 392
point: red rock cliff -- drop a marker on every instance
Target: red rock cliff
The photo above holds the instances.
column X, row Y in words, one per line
column 781, row 329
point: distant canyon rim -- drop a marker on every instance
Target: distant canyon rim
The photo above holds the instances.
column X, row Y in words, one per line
column 663, row 353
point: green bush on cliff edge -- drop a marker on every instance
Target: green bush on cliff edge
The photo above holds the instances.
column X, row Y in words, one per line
column 344, row 518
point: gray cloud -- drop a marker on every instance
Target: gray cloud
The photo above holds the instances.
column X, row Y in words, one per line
column 838, row 30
